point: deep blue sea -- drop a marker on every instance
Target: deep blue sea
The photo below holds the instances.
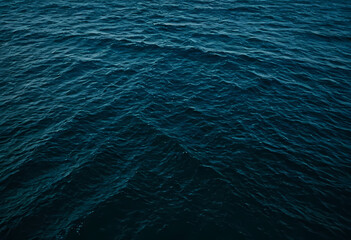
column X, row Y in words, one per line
column 178, row 120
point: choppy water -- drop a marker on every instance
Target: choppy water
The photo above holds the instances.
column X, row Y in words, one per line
column 175, row 119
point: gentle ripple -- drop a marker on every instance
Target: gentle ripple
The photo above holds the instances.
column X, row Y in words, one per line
column 175, row 119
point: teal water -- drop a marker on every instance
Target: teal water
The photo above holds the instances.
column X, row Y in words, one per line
column 175, row 119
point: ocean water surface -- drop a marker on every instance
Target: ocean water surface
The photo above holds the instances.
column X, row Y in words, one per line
column 173, row 119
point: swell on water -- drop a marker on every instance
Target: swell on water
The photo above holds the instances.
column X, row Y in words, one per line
column 175, row 119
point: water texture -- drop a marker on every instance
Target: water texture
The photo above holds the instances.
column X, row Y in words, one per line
column 175, row 119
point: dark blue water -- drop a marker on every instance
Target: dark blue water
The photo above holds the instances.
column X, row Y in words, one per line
column 175, row 119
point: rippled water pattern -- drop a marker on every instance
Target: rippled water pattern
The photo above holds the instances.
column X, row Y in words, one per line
column 175, row 119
